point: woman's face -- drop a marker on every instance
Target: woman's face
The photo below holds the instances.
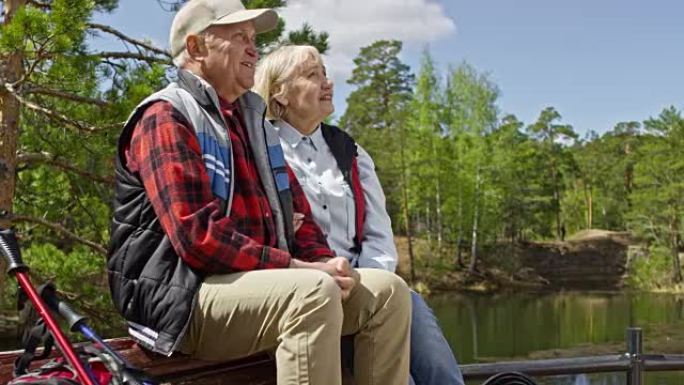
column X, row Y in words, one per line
column 309, row 97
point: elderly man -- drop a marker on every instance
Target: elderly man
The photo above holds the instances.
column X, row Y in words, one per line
column 204, row 257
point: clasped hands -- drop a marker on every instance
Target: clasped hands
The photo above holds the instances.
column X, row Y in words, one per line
column 339, row 268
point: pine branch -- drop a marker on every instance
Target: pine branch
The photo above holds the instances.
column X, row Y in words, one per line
column 132, row 55
column 131, row 40
column 58, row 228
column 55, row 161
column 80, row 126
column 35, row 89
column 40, row 55
column 39, row 4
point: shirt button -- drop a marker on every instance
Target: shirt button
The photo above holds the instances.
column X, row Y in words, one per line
column 325, row 207
column 309, row 160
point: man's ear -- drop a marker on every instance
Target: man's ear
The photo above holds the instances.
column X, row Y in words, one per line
column 196, row 47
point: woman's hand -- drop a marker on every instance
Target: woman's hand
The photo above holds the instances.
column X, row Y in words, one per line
column 338, row 267
column 345, row 275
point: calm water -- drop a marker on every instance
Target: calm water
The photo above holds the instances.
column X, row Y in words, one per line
column 511, row 327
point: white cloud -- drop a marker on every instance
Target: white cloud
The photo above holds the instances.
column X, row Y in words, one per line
column 353, row 24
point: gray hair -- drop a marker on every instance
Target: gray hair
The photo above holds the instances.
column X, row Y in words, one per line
column 182, row 58
column 275, row 71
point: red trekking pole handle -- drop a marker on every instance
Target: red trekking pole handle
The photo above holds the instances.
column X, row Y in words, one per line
column 9, row 248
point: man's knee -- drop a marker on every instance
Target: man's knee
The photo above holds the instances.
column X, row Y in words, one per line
column 317, row 294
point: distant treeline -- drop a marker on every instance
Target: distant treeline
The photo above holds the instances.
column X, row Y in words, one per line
column 456, row 170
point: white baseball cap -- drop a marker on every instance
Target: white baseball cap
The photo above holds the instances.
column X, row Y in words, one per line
column 197, row 15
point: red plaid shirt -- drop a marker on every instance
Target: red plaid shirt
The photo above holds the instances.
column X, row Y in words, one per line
column 165, row 152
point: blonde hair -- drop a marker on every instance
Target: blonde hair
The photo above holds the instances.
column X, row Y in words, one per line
column 274, row 72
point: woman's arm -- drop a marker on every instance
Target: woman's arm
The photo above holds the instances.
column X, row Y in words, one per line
column 378, row 249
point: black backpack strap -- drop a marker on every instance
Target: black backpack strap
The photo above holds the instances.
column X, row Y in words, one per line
column 39, row 335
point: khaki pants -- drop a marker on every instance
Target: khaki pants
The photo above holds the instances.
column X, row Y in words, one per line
column 299, row 312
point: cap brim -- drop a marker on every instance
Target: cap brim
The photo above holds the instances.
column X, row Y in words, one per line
column 264, row 19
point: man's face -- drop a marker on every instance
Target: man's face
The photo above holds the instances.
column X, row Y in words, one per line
column 231, row 58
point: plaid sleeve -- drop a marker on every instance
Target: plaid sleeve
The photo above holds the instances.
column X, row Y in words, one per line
column 309, row 242
column 167, row 156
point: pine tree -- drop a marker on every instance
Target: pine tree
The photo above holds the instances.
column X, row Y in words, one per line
column 376, row 117
column 550, row 136
column 658, row 195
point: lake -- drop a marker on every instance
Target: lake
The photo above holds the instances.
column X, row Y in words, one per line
column 527, row 326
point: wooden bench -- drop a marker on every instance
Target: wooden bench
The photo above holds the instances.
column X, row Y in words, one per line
column 178, row 369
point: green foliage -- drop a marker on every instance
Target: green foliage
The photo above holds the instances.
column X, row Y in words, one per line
column 475, row 179
column 376, row 109
column 658, row 197
column 651, row 272
column 307, row 36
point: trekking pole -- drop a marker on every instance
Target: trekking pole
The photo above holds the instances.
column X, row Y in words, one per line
column 78, row 322
column 9, row 248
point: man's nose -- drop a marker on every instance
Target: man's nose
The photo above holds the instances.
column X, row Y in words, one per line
column 252, row 49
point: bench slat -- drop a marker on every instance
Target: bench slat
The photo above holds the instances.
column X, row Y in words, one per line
column 178, row 369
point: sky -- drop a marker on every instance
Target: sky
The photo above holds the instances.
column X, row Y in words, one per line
column 598, row 62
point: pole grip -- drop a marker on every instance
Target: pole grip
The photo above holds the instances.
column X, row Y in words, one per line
column 9, row 248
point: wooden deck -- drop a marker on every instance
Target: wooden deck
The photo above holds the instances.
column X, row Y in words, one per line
column 181, row 370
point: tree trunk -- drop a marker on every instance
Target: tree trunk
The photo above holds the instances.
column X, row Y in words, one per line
column 674, row 247
column 428, row 223
column 556, row 203
column 438, row 202
column 438, row 211
column 459, row 232
column 10, row 71
column 476, row 218
column 588, row 200
column 407, row 218
column 407, row 223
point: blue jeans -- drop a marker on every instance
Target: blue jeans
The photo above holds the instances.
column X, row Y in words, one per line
column 432, row 361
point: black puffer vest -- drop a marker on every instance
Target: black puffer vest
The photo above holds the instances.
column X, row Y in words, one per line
column 150, row 284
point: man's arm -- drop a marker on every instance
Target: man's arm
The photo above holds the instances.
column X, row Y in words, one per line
column 309, row 242
column 310, row 247
column 165, row 152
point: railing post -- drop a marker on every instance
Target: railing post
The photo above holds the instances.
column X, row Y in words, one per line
column 635, row 374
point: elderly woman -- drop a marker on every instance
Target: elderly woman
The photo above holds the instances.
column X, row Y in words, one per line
column 339, row 180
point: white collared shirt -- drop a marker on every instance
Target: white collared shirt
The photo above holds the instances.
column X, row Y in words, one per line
column 332, row 200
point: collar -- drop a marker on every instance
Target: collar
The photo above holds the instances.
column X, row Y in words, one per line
column 205, row 94
column 294, row 138
column 199, row 88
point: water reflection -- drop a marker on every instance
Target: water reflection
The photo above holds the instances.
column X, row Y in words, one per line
column 508, row 327
column 488, row 328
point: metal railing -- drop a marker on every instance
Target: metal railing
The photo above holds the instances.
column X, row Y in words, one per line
column 634, row 363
